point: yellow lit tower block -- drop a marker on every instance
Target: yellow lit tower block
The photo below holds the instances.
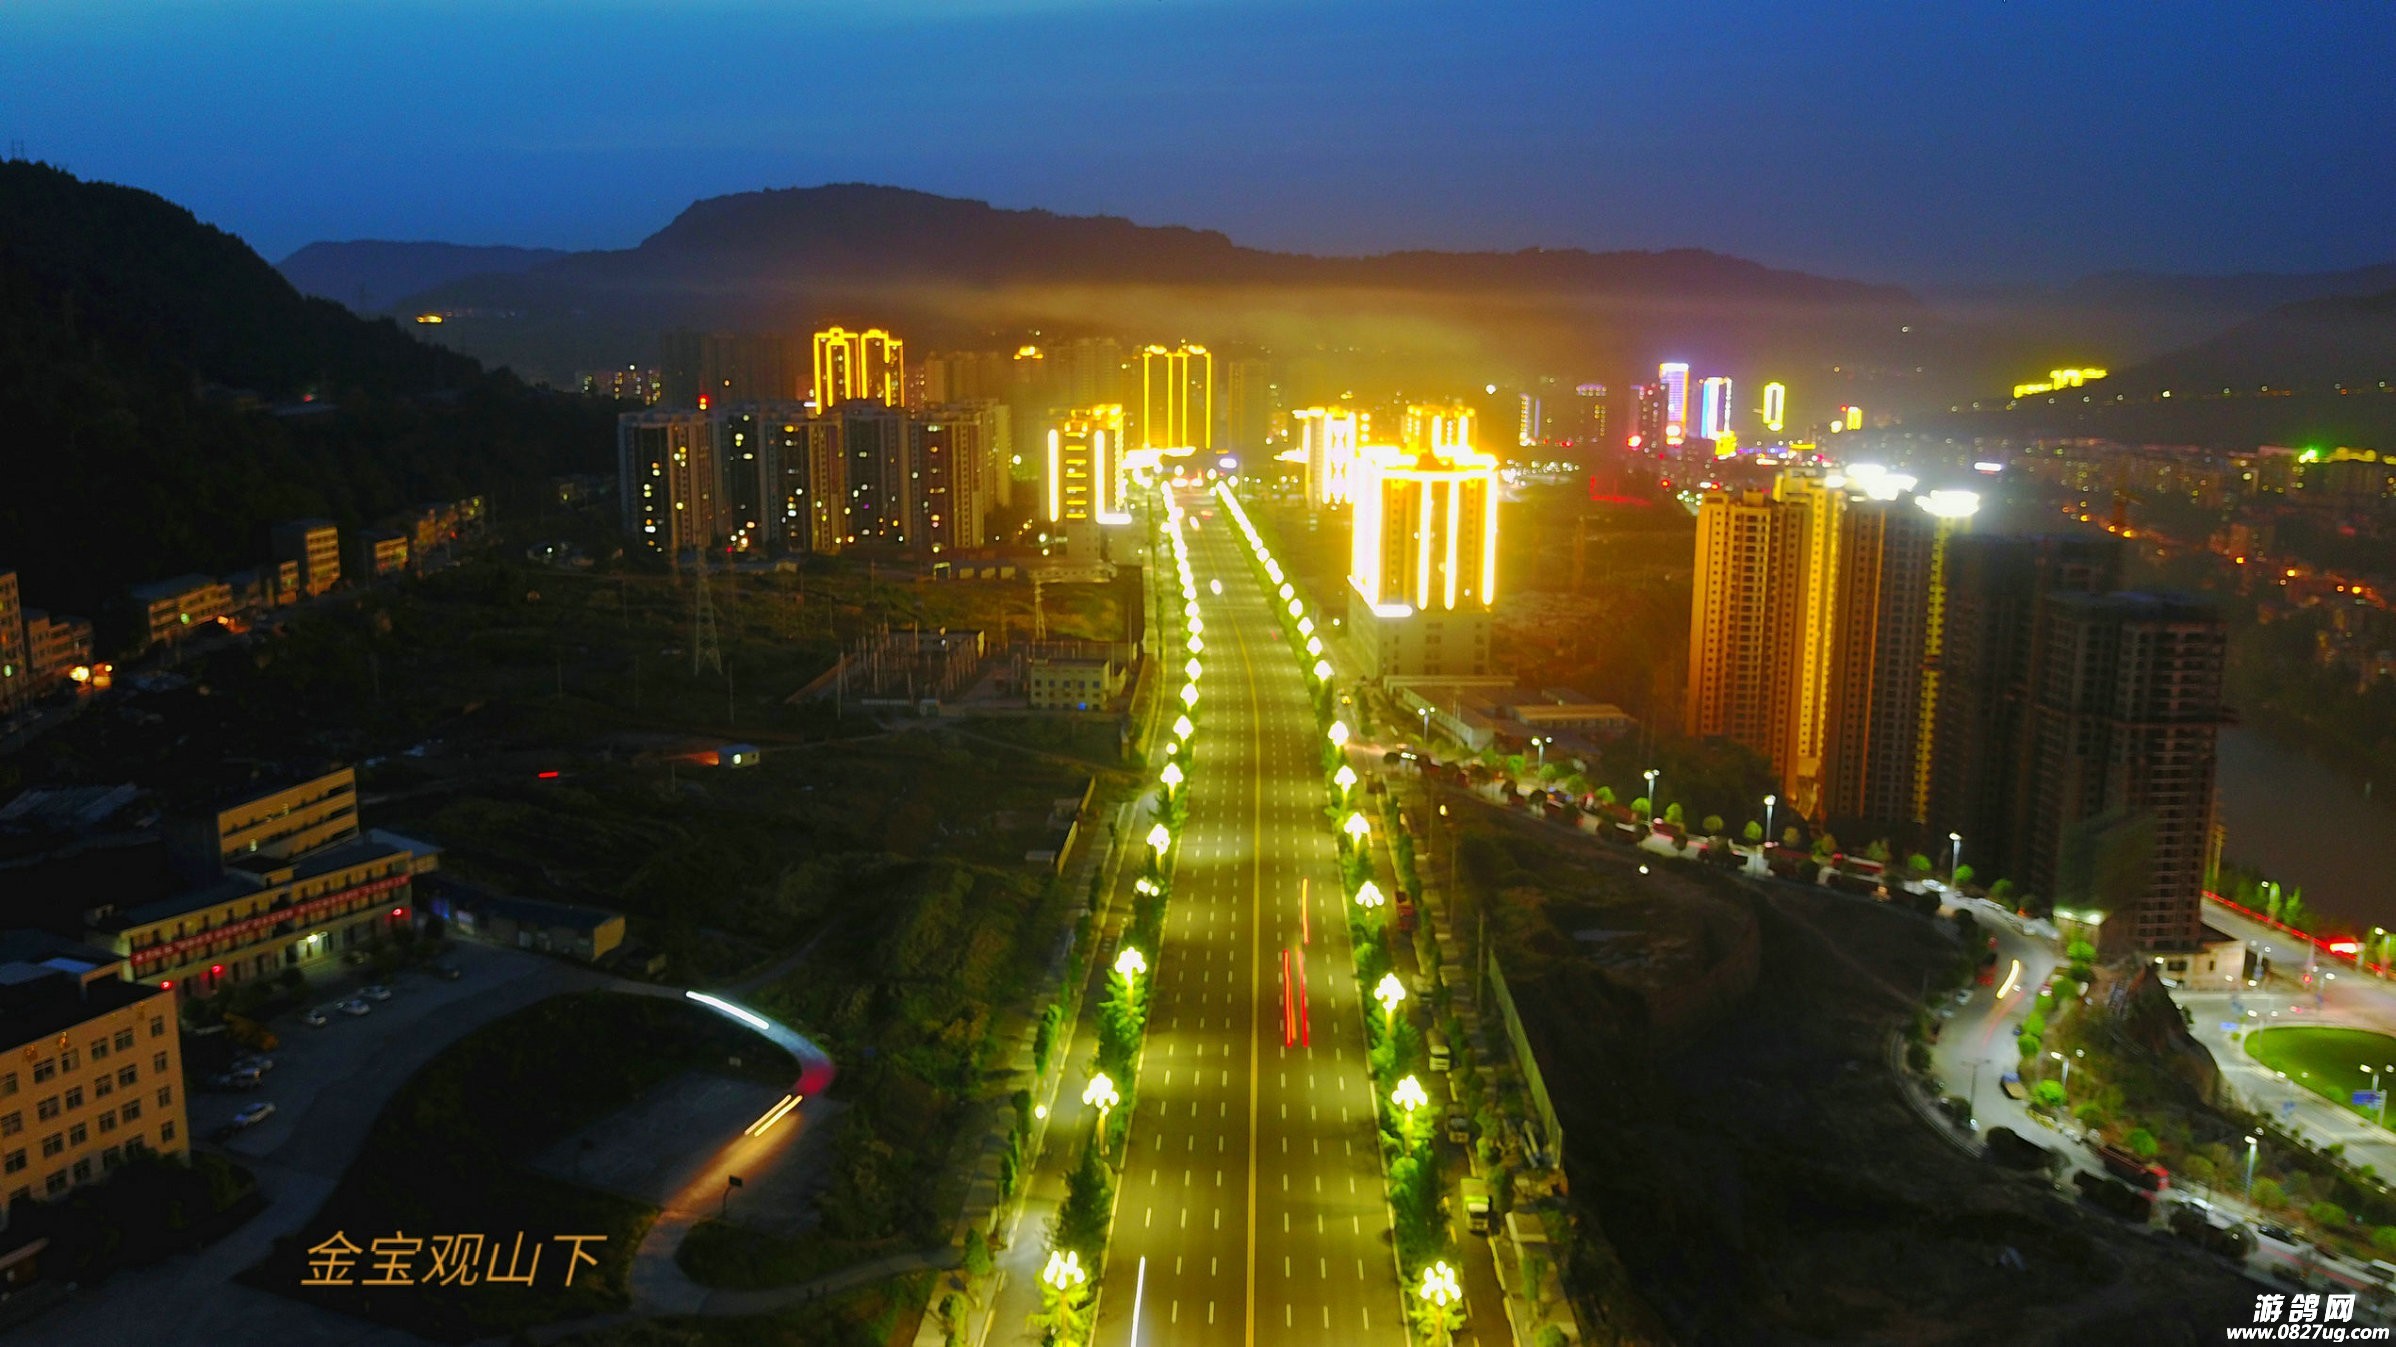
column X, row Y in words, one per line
column 1177, row 399
column 868, row 366
column 1083, row 482
column 1776, row 406
column 1329, row 438
column 1423, row 557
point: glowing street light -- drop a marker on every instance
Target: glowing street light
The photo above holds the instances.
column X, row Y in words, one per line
column 1064, row 1272
column 1368, row 896
column 1100, row 1094
column 1197, row 646
column 1189, row 695
column 1314, row 645
column 1322, row 668
column 1297, row 608
column 1197, row 623
column 1171, row 776
column 1409, row 1095
column 1161, row 838
column 1345, row 779
column 1193, row 668
column 1306, row 626
column 1439, row 1288
column 1651, row 774
column 1131, row 964
column 1286, row 591
column 1769, row 801
column 1182, row 727
column 1338, row 733
column 1356, row 828
column 1391, row 993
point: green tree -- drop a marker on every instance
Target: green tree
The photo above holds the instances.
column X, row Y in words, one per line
column 1082, row 1217
column 1605, row 795
column 2001, row 892
column 1753, row 832
column 1640, row 806
column 2384, row 1239
column 2047, row 1094
column 2327, row 1215
column 2294, row 912
column 2034, row 1024
column 2142, row 1143
column 2269, row 1195
column 2080, row 951
column 977, row 1253
column 1825, row 846
column 1964, row 875
column 2027, row 1045
column 1878, row 851
column 1712, row 823
column 1672, row 812
column 1918, row 864
column 1789, row 836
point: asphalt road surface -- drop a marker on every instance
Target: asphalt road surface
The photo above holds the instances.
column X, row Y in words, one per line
column 1251, row 1206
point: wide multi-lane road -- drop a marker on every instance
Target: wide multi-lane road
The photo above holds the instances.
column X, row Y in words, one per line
column 1252, row 1191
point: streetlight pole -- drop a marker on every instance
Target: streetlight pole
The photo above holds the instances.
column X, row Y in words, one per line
column 1769, row 801
column 1540, row 744
column 2251, row 1142
column 1651, row 774
column 1954, row 857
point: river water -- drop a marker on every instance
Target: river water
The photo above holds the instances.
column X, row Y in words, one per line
column 2305, row 824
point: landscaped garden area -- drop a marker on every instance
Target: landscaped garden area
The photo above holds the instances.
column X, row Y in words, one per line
column 2332, row 1063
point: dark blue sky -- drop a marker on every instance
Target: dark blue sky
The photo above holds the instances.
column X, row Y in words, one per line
column 1926, row 141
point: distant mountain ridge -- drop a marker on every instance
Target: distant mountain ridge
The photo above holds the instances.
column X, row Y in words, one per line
column 2315, row 344
column 369, row 275
column 954, row 270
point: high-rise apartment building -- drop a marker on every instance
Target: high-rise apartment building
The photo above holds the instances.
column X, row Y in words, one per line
column 962, row 376
column 708, row 369
column 2125, row 717
column 1086, row 372
column 954, row 461
column 1530, row 420
column 1996, row 588
column 1748, row 623
column 315, row 544
column 1438, row 429
column 668, row 481
column 1775, row 411
column 1589, row 413
column 770, row 455
column 881, row 485
column 1423, row 554
column 1251, row 401
column 1331, row 438
column 1177, row 399
column 868, row 366
column 1647, row 417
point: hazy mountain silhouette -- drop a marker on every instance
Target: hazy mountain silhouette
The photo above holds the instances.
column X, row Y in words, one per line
column 369, row 274
column 2315, row 345
column 959, row 270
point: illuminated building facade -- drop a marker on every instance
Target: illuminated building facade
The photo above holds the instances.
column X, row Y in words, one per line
column 782, row 476
column 955, row 462
column 16, row 657
column 1438, row 428
column 1674, row 376
column 93, row 1069
column 667, row 481
column 1776, row 406
column 1423, row 558
column 881, row 485
column 1713, row 408
column 1177, row 399
column 1251, row 400
column 315, row 545
column 868, row 366
column 1083, row 484
column 1330, row 438
column 1530, row 422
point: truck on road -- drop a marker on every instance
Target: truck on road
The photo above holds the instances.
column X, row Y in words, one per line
column 1475, row 1193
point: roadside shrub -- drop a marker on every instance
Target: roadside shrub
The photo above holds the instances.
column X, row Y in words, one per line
column 2269, row 1195
column 2047, row 1094
column 1917, row 1056
column 2384, row 1239
column 2327, row 1215
column 2141, row 1143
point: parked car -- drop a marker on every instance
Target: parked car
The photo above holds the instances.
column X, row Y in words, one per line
column 236, row 1079
column 317, row 1018
column 375, row 991
column 254, row 1061
column 253, row 1114
column 446, row 972
column 353, row 1006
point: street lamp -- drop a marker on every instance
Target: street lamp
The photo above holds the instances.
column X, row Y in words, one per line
column 1064, row 1273
column 1314, row 646
column 1769, row 801
column 1389, row 992
column 1338, row 733
column 1409, row 1096
column 1368, row 897
column 1171, row 776
column 2251, row 1142
column 1131, row 963
column 1182, row 727
column 2067, row 1070
column 1306, row 626
column 1441, row 1293
column 1322, row 668
column 1651, row 774
column 1356, row 828
column 1541, row 744
column 1954, row 857
column 1189, row 695
column 1193, row 668
column 1100, row 1094
column 1345, row 779
column 1297, row 606
column 1426, row 714
column 1161, row 838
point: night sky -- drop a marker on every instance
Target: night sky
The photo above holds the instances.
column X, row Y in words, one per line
column 1940, row 142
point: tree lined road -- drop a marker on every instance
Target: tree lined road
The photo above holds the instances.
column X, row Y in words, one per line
column 1253, row 1187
